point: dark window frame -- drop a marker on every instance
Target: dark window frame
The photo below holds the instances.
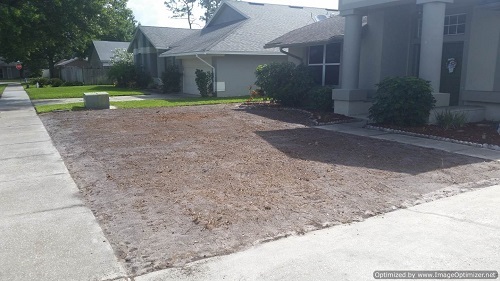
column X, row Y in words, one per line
column 324, row 63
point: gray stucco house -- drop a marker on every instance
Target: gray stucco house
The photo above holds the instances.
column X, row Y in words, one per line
column 151, row 41
column 232, row 43
column 454, row 44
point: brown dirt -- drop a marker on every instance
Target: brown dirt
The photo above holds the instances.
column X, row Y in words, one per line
column 480, row 132
column 173, row 185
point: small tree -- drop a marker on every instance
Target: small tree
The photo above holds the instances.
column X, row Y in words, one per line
column 181, row 9
column 402, row 101
column 204, row 81
column 122, row 71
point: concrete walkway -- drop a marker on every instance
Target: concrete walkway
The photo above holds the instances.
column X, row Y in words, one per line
column 46, row 231
column 357, row 129
column 153, row 96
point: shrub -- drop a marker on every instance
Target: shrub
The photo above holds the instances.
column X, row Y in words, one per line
column 72, row 83
column 143, row 79
column 171, row 79
column 42, row 81
column 402, row 101
column 284, row 82
column 320, row 98
column 204, row 81
column 451, row 120
column 56, row 82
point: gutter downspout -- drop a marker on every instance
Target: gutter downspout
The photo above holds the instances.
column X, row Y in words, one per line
column 292, row 55
column 213, row 71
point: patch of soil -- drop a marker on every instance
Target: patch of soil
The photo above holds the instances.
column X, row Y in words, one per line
column 480, row 132
column 174, row 185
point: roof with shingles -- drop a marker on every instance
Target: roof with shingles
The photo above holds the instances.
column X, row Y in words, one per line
column 164, row 37
column 321, row 32
column 261, row 23
column 105, row 49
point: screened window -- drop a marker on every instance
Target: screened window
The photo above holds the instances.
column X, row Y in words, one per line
column 454, row 24
column 324, row 63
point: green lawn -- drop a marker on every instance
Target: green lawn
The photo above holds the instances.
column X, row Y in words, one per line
column 76, row 92
column 2, row 87
column 146, row 103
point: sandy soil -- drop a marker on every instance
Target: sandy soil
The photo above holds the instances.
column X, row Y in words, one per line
column 173, row 185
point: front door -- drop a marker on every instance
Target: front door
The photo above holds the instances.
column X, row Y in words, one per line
column 451, row 70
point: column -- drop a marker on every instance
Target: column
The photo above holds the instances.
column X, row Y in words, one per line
column 431, row 48
column 352, row 50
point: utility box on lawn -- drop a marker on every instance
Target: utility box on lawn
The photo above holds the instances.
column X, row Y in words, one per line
column 97, row 100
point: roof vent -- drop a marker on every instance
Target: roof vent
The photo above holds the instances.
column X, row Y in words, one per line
column 296, row 7
column 258, row 4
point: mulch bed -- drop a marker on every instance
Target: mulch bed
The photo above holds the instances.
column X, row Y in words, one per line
column 480, row 132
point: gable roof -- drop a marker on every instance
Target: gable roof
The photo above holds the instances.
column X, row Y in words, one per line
column 244, row 28
column 105, row 49
column 321, row 32
column 161, row 37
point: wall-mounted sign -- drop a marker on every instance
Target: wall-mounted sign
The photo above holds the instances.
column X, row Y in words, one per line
column 451, row 64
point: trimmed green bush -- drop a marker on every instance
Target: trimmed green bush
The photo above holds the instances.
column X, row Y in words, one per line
column 42, row 81
column 56, row 82
column 402, row 101
column 171, row 79
column 204, row 81
column 320, row 98
column 284, row 82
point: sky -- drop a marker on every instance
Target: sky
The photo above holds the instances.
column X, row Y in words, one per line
column 154, row 12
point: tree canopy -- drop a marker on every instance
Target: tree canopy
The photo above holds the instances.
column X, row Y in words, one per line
column 182, row 9
column 51, row 30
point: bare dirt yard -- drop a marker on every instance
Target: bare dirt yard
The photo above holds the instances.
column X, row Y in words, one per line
column 173, row 185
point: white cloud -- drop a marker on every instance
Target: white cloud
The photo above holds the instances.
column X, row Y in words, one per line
column 154, row 12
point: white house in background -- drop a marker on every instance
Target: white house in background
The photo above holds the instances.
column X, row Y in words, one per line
column 151, row 41
column 454, row 44
column 232, row 43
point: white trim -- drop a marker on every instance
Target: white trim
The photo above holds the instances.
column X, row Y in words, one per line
column 223, row 54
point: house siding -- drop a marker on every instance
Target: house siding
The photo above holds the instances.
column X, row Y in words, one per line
column 238, row 72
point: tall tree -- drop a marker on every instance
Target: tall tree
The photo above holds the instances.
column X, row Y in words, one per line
column 117, row 21
column 210, row 6
column 182, row 9
column 50, row 30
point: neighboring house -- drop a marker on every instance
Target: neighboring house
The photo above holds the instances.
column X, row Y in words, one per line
column 319, row 46
column 100, row 61
column 8, row 70
column 150, row 41
column 454, row 44
column 72, row 70
column 232, row 43
column 102, row 52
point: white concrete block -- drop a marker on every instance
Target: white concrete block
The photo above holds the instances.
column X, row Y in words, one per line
column 97, row 100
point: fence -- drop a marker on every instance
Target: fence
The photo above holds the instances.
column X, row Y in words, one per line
column 88, row 76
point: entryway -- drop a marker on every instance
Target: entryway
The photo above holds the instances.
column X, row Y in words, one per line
column 451, row 70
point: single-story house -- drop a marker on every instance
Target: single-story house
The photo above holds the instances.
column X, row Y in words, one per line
column 151, row 41
column 231, row 44
column 454, row 44
column 317, row 45
column 8, row 70
column 102, row 51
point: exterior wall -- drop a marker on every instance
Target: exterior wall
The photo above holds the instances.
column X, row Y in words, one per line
column 189, row 66
column 238, row 72
column 299, row 52
column 385, row 45
column 94, row 60
column 482, row 82
column 9, row 72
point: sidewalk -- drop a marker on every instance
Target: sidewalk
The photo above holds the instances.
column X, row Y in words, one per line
column 356, row 128
column 46, row 231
